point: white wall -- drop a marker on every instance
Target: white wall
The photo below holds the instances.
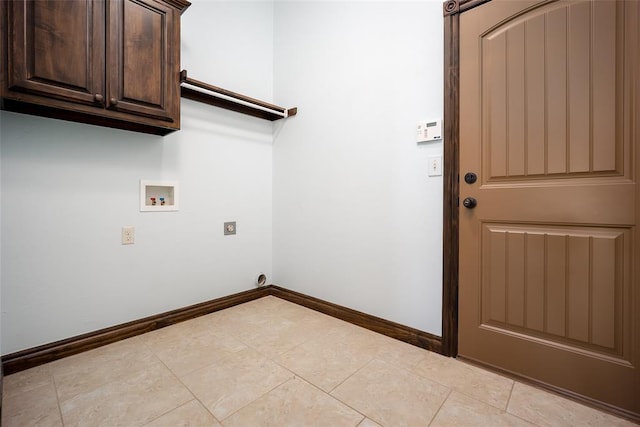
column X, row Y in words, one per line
column 357, row 221
column 68, row 188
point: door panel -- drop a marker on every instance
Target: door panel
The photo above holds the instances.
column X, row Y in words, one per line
column 144, row 73
column 551, row 77
column 58, row 49
column 558, row 283
column 547, row 279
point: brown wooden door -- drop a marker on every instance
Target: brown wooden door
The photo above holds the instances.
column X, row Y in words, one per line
column 57, row 49
column 143, row 75
column 550, row 257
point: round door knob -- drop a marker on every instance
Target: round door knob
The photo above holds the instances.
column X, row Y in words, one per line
column 469, row 203
column 97, row 97
column 470, row 177
column 113, row 101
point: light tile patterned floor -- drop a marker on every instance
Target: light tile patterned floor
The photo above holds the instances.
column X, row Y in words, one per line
column 272, row 363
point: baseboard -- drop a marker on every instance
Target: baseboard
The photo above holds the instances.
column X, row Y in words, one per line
column 1, row 389
column 46, row 353
column 385, row 327
column 584, row 400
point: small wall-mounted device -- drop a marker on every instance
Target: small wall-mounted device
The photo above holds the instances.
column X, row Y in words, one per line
column 430, row 130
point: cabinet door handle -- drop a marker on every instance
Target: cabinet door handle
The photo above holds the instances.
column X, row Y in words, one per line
column 113, row 101
column 98, row 98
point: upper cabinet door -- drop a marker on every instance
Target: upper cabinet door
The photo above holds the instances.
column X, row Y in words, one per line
column 56, row 48
column 143, row 77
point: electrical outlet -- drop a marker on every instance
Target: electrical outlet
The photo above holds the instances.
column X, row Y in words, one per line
column 128, row 235
column 229, row 228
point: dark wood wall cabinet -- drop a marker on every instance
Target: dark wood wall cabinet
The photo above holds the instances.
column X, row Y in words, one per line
column 113, row 63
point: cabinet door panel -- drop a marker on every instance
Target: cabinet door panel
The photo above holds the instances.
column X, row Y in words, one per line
column 143, row 72
column 57, row 49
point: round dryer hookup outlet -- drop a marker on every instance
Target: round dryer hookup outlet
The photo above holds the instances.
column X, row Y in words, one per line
column 261, row 280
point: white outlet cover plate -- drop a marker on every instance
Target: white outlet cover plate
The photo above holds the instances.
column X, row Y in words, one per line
column 435, row 165
column 128, row 235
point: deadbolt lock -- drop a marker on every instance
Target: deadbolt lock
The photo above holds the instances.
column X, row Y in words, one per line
column 470, row 177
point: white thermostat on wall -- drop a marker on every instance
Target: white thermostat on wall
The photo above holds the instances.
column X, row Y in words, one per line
column 430, row 130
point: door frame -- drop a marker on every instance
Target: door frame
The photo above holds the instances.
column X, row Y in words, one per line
column 451, row 150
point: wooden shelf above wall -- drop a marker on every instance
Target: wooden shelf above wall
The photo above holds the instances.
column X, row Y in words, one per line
column 229, row 100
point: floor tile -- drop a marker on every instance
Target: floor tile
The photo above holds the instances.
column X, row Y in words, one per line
column 295, row 403
column 325, row 362
column 26, row 381
column 234, row 382
column 385, row 348
column 316, row 325
column 392, row 396
column 133, row 401
column 462, row 410
column 220, row 322
column 465, row 378
column 89, row 370
column 547, row 409
column 194, row 351
column 36, row 407
column 191, row 414
column 328, row 360
column 256, row 311
column 162, row 338
column 368, row 423
column 270, row 325
column 274, row 336
column 290, row 310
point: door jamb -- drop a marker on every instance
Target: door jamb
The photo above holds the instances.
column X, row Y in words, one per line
column 451, row 175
